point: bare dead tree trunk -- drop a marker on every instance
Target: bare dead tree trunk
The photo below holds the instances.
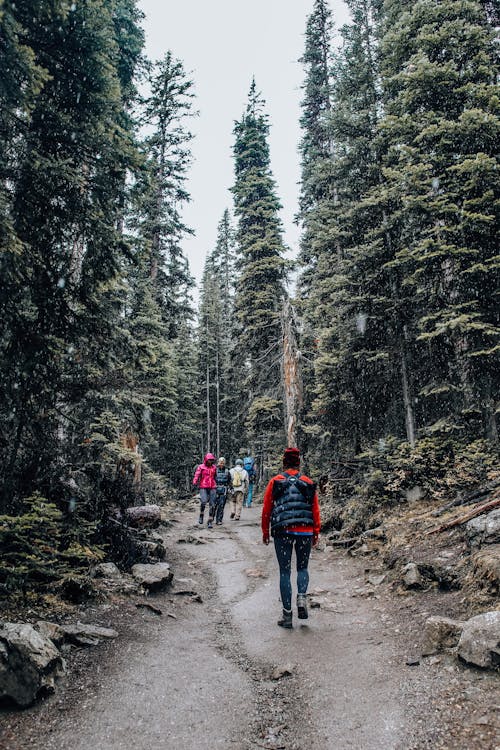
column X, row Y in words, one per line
column 208, row 407
column 217, row 404
column 292, row 380
column 409, row 416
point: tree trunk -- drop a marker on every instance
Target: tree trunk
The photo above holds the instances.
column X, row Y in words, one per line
column 292, row 380
column 217, row 404
column 409, row 415
column 208, row 407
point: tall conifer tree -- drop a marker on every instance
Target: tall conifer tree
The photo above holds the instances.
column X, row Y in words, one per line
column 443, row 124
column 262, row 269
column 68, row 187
column 168, row 157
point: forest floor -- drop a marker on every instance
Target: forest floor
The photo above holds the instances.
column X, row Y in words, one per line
column 215, row 671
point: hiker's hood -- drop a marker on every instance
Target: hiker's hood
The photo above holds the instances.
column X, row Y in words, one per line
column 209, row 457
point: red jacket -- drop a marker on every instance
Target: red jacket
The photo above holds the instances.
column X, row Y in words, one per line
column 268, row 507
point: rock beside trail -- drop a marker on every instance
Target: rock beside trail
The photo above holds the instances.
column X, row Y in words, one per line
column 107, row 570
column 29, row 663
column 79, row 634
column 411, row 576
column 152, row 577
column 440, row 633
column 484, row 529
column 143, row 516
column 487, row 567
column 480, row 640
column 82, row 634
column 286, row 670
column 51, row 630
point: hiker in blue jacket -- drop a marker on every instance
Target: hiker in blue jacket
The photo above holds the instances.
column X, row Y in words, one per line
column 249, row 466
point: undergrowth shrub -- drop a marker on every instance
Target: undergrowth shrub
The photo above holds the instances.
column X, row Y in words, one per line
column 42, row 545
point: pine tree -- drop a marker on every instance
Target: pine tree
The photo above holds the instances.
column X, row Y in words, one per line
column 262, row 268
column 68, row 186
column 220, row 366
column 342, row 336
column 168, row 157
column 443, row 124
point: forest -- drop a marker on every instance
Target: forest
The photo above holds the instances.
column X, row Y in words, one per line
column 376, row 350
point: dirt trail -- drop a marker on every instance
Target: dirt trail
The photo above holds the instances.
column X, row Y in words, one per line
column 204, row 680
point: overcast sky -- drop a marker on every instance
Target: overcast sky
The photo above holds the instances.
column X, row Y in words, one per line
column 222, row 44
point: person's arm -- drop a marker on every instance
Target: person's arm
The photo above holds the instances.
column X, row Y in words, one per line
column 196, row 477
column 267, row 508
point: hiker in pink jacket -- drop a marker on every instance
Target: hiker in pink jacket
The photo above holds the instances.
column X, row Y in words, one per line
column 205, row 477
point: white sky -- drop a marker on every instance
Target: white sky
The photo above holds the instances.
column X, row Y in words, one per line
column 222, row 44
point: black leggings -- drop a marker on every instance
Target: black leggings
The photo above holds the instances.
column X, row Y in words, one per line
column 284, row 546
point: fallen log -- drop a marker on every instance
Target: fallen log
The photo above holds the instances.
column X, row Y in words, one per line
column 484, row 508
column 468, row 499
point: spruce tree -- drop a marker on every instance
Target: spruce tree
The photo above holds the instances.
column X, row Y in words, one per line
column 262, row 268
column 342, row 338
column 443, row 124
column 166, row 110
column 220, row 369
column 68, row 185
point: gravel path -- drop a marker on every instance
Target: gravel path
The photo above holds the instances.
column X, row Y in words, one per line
column 206, row 676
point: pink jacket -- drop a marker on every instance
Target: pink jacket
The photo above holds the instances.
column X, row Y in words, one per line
column 205, row 475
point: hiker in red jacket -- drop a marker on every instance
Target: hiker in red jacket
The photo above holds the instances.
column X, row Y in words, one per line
column 291, row 508
column 205, row 476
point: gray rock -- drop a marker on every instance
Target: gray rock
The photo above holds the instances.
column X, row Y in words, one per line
column 83, row 634
column 144, row 516
column 378, row 533
column 480, row 640
column 487, row 567
column 411, row 576
column 107, row 570
column 440, row 633
column 154, row 550
column 375, row 579
column 286, row 670
column 50, row 630
column 152, row 577
column 484, row 529
column 29, row 663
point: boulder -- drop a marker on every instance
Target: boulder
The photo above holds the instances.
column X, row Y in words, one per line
column 51, row 630
column 152, row 577
column 83, row 634
column 154, row 550
column 440, row 633
column 411, row 576
column 143, row 516
column 107, row 570
column 29, row 663
column 487, row 567
column 480, row 640
column 484, row 529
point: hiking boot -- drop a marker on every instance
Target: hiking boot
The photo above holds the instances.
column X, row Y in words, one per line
column 209, row 525
column 286, row 620
column 302, row 607
column 232, row 515
column 218, row 523
column 200, row 519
